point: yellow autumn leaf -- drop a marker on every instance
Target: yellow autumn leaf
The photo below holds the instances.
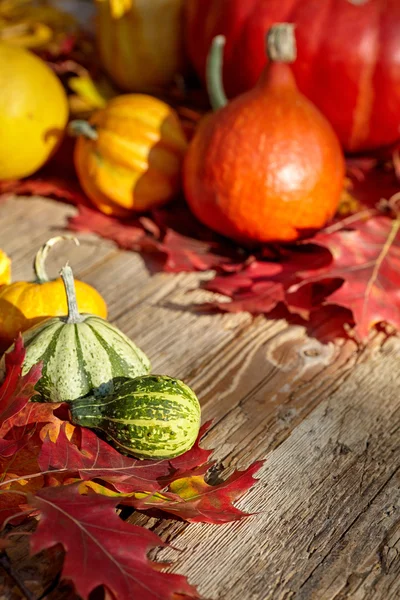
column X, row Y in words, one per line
column 84, row 486
column 90, row 93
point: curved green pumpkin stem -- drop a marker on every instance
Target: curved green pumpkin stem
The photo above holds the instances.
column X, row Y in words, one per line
column 215, row 86
column 73, row 312
column 41, row 256
column 80, row 127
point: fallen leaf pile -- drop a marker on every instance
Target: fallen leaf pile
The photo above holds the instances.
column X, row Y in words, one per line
column 345, row 275
column 72, row 483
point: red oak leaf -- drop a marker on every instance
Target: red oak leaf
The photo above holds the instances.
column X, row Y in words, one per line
column 128, row 234
column 101, row 549
column 194, row 458
column 262, row 285
column 42, row 416
column 20, row 474
column 95, row 459
column 186, row 254
column 366, row 265
column 178, row 251
column 16, row 391
column 329, row 323
column 192, row 499
column 44, row 185
column 370, row 181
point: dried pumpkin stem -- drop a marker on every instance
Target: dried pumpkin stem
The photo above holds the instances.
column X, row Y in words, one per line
column 69, row 284
column 281, row 43
column 215, row 86
column 81, row 127
column 41, row 256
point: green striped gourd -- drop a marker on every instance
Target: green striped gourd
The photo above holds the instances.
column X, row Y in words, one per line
column 153, row 416
column 80, row 352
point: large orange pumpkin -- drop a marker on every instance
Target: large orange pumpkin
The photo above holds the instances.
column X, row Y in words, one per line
column 23, row 303
column 129, row 156
column 268, row 165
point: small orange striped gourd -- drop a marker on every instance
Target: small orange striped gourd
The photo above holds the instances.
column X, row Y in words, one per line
column 129, row 155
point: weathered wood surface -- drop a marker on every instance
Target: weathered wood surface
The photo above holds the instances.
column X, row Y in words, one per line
column 326, row 417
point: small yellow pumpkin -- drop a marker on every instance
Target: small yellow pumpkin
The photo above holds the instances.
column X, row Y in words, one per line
column 23, row 303
column 140, row 42
column 129, row 155
column 5, row 268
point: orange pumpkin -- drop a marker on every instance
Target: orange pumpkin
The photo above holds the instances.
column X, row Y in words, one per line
column 5, row 268
column 267, row 166
column 23, row 303
column 128, row 157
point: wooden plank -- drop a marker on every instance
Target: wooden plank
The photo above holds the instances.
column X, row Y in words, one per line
column 328, row 503
column 21, row 237
column 329, row 492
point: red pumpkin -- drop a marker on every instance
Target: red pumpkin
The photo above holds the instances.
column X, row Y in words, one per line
column 348, row 57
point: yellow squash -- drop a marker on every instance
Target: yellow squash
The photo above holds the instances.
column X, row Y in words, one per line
column 5, row 268
column 128, row 157
column 33, row 112
column 23, row 303
column 140, row 42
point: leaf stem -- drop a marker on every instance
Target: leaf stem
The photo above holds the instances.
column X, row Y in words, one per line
column 385, row 249
column 343, row 223
column 26, row 478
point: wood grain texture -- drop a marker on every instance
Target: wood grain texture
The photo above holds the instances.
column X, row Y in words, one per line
column 329, row 504
column 325, row 417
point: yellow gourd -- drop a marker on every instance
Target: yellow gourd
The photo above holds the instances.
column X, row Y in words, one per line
column 24, row 303
column 33, row 112
column 5, row 268
column 140, row 42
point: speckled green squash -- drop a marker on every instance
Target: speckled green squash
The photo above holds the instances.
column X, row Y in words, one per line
column 79, row 353
column 153, row 416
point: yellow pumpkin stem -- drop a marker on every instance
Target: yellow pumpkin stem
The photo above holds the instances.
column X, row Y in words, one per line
column 73, row 312
column 41, row 256
column 81, row 127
